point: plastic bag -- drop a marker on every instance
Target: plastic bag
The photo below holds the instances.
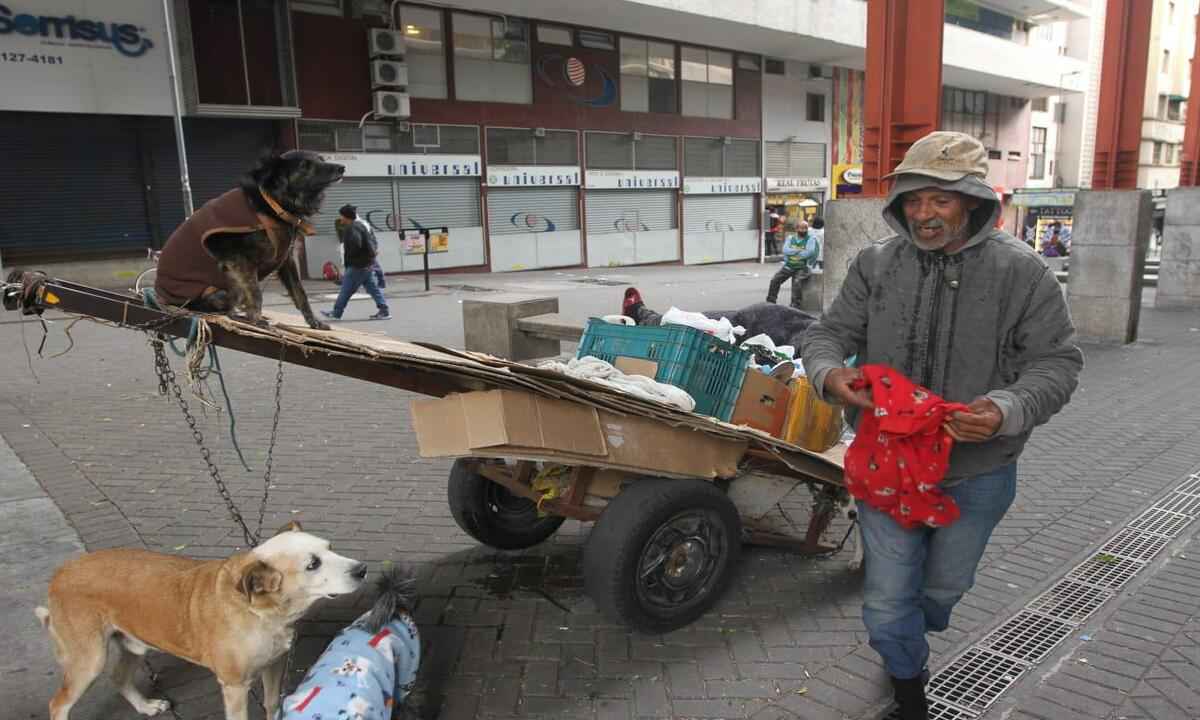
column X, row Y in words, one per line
column 764, row 341
column 722, row 328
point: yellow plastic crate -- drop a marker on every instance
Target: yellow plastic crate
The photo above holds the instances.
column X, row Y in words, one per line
column 811, row 423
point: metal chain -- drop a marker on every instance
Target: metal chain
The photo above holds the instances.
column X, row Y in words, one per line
column 262, row 507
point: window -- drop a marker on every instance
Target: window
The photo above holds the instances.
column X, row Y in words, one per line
column 596, row 40
column 707, row 82
column 647, row 76
column 323, row 7
column 441, row 139
column 964, row 111
column 241, row 53
column 1166, row 62
column 795, row 159
column 1037, row 168
column 491, row 59
column 1162, row 107
column 1168, row 154
column 1040, row 104
column 554, row 35
column 620, row 151
column 749, row 62
column 775, row 67
column 1156, row 158
column 1175, row 109
column 523, row 146
column 424, row 51
column 815, row 104
column 384, row 137
column 720, row 157
column 1014, row 154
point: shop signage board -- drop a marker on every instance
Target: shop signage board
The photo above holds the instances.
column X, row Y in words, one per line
column 82, row 56
column 631, row 179
column 532, row 175
column 406, row 165
column 799, row 184
column 1043, row 198
column 722, row 185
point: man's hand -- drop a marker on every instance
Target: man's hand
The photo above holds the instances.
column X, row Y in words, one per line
column 837, row 388
column 979, row 423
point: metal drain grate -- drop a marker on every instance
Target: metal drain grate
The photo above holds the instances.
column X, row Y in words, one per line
column 939, row 710
column 1135, row 545
column 1028, row 636
column 1180, row 503
column 1191, row 486
column 1106, row 570
column 1160, row 522
column 1071, row 601
column 976, row 679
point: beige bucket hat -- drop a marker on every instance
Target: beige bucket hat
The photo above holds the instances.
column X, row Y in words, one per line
column 944, row 155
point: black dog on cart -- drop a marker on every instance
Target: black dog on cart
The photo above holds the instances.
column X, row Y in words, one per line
column 216, row 260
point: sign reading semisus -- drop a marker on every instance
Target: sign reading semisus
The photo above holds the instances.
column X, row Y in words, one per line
column 79, row 56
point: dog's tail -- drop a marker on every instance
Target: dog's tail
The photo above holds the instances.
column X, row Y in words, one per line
column 395, row 588
column 43, row 615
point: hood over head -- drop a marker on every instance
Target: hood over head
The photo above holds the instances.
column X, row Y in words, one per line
column 949, row 161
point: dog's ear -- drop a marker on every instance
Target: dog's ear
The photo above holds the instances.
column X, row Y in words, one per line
column 292, row 526
column 259, row 578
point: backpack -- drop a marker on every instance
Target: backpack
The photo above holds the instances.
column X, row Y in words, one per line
column 331, row 272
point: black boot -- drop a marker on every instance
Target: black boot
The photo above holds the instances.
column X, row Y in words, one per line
column 910, row 698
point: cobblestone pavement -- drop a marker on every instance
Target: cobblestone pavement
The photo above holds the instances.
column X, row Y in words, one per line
column 510, row 634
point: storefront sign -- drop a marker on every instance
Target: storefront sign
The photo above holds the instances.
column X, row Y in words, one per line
column 1043, row 198
column 414, row 242
column 631, row 179
column 721, row 185
column 532, row 175
column 847, row 180
column 784, row 184
column 80, row 56
column 395, row 165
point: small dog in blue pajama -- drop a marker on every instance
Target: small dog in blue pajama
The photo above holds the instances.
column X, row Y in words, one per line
column 369, row 668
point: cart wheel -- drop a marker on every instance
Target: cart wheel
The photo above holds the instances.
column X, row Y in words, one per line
column 662, row 553
column 491, row 514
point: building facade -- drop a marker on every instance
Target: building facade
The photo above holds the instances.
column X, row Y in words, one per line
column 537, row 134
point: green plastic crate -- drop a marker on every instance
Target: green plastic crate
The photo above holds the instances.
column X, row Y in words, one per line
column 707, row 368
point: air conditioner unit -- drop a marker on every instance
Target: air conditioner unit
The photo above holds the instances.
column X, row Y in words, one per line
column 388, row 73
column 391, row 104
column 385, row 42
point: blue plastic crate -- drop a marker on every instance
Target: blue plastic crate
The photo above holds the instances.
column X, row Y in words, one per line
column 707, row 368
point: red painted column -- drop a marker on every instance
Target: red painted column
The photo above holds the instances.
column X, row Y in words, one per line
column 1122, row 94
column 1189, row 162
column 903, row 98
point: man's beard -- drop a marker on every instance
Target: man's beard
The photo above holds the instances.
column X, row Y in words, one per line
column 949, row 236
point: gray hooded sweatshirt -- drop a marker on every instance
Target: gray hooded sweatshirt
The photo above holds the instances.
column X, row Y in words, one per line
column 989, row 320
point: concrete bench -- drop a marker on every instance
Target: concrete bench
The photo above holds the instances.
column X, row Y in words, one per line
column 516, row 327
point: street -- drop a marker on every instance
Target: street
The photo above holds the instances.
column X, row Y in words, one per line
column 510, row 634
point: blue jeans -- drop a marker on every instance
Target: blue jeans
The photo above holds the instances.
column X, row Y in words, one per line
column 351, row 282
column 914, row 578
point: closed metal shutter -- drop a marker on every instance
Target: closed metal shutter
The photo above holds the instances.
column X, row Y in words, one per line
column 439, row 202
column 524, row 210
column 795, row 159
column 622, row 211
column 702, row 157
column 719, row 213
column 372, row 197
column 72, row 187
column 656, row 152
column 220, row 152
column 609, row 151
column 741, row 158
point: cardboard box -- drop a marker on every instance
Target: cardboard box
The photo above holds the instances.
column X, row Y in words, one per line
column 762, row 404
column 812, row 424
column 516, row 424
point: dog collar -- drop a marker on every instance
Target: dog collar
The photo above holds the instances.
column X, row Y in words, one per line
column 287, row 217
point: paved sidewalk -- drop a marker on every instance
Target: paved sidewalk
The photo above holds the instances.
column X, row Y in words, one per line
column 511, row 634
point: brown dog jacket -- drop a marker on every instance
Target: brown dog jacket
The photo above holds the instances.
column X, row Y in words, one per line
column 188, row 271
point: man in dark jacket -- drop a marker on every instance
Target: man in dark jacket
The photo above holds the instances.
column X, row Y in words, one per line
column 973, row 314
column 359, row 253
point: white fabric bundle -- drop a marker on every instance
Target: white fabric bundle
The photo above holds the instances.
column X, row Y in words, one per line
column 722, row 328
column 599, row 371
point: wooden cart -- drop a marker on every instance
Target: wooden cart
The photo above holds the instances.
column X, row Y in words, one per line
column 669, row 525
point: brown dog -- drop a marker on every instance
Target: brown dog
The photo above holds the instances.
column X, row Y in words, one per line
column 234, row 616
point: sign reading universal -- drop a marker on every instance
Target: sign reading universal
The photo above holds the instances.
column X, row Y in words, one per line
column 631, row 179
column 721, row 185
column 532, row 175
column 403, row 165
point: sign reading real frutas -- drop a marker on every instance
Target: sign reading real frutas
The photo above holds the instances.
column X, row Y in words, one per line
column 82, row 56
column 721, row 185
column 784, row 184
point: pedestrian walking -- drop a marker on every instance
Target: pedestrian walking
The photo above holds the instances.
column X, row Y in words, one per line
column 975, row 316
column 360, row 257
column 800, row 250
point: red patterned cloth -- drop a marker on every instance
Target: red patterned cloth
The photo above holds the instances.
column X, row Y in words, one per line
column 900, row 453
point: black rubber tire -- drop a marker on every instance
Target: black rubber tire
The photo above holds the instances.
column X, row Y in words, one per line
column 629, row 529
column 491, row 514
